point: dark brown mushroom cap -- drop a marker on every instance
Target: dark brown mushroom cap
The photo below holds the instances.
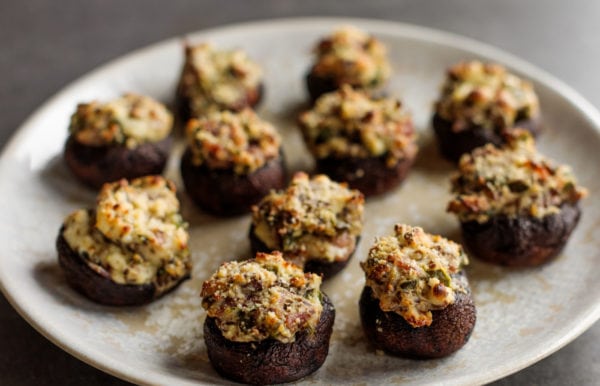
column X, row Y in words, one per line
column 372, row 175
column 225, row 193
column 95, row 282
column 454, row 144
column 95, row 165
column 388, row 331
column 270, row 361
column 521, row 241
column 318, row 85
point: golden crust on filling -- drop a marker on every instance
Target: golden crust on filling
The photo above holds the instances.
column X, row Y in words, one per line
column 135, row 232
column 265, row 297
column 485, row 95
column 514, row 180
column 239, row 141
column 349, row 123
column 351, row 56
column 314, row 218
column 129, row 120
column 413, row 273
column 214, row 80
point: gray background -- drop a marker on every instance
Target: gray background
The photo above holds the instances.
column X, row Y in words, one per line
column 47, row 44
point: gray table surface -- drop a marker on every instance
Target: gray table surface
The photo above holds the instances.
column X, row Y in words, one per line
column 46, row 44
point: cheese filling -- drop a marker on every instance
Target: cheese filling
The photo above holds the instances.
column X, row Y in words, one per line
column 135, row 233
column 412, row 273
column 215, row 80
column 239, row 141
column 351, row 56
column 312, row 219
column 486, row 96
column 129, row 120
column 512, row 180
column 266, row 297
column 349, row 123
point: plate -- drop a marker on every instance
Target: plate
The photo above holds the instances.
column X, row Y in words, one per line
column 523, row 315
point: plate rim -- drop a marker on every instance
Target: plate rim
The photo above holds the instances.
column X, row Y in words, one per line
column 405, row 30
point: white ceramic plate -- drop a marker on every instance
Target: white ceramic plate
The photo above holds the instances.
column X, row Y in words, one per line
column 523, row 315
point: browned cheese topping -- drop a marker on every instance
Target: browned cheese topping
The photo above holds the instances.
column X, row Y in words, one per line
column 351, row 56
column 485, row 95
column 514, row 180
column 349, row 123
column 129, row 120
column 266, row 297
column 411, row 273
column 135, row 232
column 239, row 141
column 214, row 80
column 312, row 219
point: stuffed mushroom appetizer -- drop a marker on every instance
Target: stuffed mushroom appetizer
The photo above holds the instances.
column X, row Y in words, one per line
column 349, row 56
column 232, row 161
column 515, row 206
column 216, row 80
column 125, row 138
column 130, row 249
column 267, row 321
column 478, row 102
column 315, row 222
column 416, row 302
column 369, row 143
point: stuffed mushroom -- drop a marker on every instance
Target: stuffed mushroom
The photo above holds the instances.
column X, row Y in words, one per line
column 349, row 56
column 232, row 161
column 124, row 138
column 416, row 302
column 478, row 102
column 368, row 143
column 315, row 222
column 216, row 80
column 515, row 206
column 267, row 320
column 131, row 248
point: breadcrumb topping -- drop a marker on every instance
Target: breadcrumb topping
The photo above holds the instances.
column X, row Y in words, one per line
column 485, row 95
column 511, row 180
column 351, row 56
column 349, row 123
column 214, row 80
column 413, row 273
column 314, row 218
column 135, row 232
column 266, row 297
column 239, row 141
column 129, row 120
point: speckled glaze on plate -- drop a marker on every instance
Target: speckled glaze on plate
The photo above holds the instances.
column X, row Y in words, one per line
column 523, row 315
